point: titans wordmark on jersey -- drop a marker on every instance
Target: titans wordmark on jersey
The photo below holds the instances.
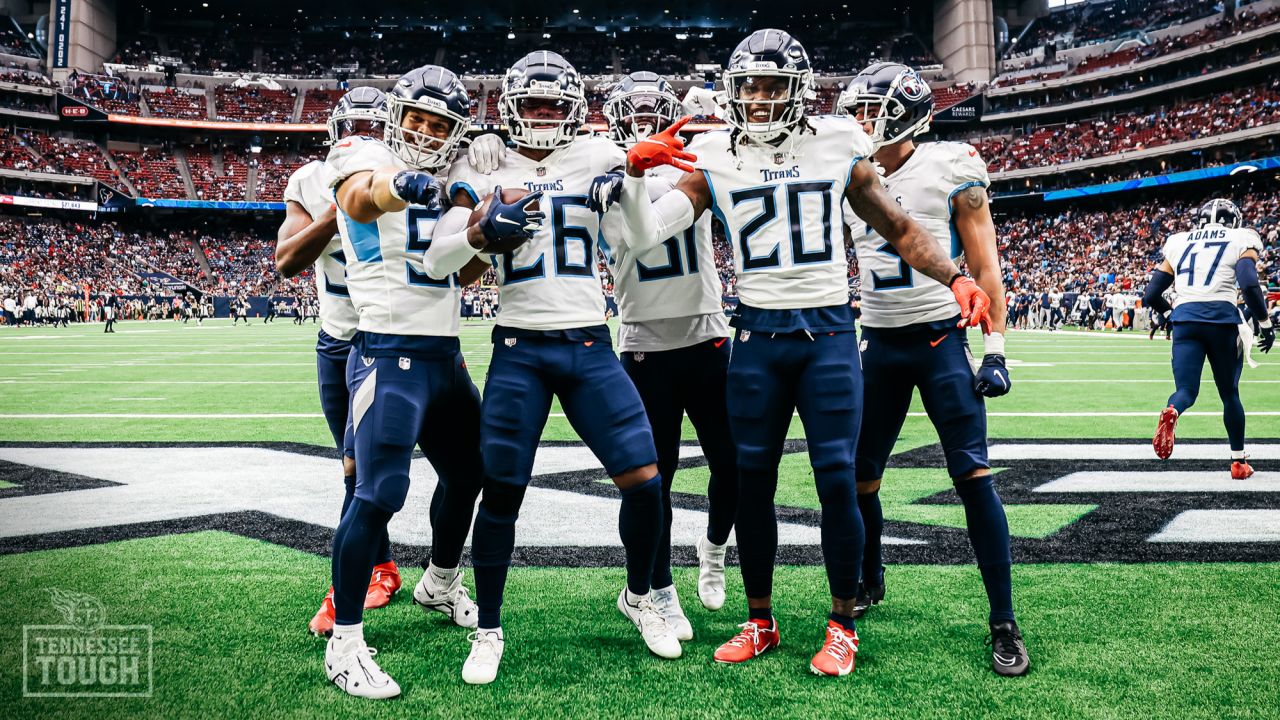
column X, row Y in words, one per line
column 388, row 287
column 309, row 187
column 894, row 294
column 1204, row 271
column 676, row 279
column 551, row 282
column 781, row 211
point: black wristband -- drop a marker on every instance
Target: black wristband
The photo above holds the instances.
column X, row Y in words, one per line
column 953, row 279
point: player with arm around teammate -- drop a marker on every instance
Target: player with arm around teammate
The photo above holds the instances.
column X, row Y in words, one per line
column 309, row 237
column 674, row 339
column 410, row 386
column 912, row 337
column 551, row 340
column 1204, row 266
column 777, row 181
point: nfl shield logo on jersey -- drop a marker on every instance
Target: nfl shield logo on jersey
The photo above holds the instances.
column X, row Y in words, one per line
column 639, row 357
column 542, row 172
column 404, row 363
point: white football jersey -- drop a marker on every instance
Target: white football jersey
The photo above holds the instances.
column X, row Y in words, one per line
column 675, row 279
column 1204, row 270
column 551, row 282
column 893, row 293
column 781, row 211
column 388, row 287
column 309, row 187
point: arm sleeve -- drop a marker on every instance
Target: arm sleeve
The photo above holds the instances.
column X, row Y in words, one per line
column 649, row 224
column 1154, row 297
column 1247, row 279
column 449, row 251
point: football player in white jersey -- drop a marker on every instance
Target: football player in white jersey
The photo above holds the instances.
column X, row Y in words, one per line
column 674, row 340
column 1204, row 266
column 551, row 340
column 776, row 181
column 309, row 237
column 410, row 386
column 911, row 339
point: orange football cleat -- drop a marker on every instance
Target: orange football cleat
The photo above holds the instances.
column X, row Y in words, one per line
column 836, row 658
column 1163, row 441
column 383, row 584
column 1240, row 469
column 322, row 623
column 757, row 637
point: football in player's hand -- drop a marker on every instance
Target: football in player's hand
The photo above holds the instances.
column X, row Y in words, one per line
column 504, row 242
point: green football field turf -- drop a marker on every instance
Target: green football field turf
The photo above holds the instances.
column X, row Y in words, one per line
column 228, row 612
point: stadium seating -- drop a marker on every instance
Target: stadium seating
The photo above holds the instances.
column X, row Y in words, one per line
column 274, row 169
column 1082, row 139
column 14, row 154
column 318, row 104
column 174, row 103
column 254, row 104
column 212, row 184
column 72, row 156
column 153, row 171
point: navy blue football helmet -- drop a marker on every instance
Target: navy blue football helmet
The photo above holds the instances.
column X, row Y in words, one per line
column 547, row 76
column 1219, row 211
column 367, row 104
column 639, row 105
column 767, row 80
column 893, row 98
column 430, row 89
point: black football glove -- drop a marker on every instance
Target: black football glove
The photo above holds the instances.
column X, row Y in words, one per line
column 992, row 379
column 415, row 188
column 1266, row 337
column 508, row 226
column 605, row 190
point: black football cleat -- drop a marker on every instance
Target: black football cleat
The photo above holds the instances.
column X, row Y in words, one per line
column 1008, row 654
column 867, row 597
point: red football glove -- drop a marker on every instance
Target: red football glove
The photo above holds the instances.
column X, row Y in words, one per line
column 974, row 303
column 664, row 148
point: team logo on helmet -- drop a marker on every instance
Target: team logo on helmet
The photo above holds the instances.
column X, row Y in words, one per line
column 912, row 87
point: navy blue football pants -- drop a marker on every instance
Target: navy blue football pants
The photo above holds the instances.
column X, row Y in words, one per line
column 672, row 383
column 770, row 376
column 396, row 404
column 1220, row 343
column 605, row 410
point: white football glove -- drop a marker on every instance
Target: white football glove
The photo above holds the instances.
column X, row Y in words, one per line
column 485, row 153
column 701, row 101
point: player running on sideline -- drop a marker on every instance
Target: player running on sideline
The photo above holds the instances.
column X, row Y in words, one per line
column 551, row 341
column 1204, row 266
column 776, row 181
column 911, row 337
column 411, row 386
column 309, row 237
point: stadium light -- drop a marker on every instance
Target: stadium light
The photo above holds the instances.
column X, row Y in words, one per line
column 682, row 36
column 546, row 36
column 511, row 36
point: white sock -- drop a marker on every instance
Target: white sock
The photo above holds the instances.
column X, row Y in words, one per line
column 1238, row 455
column 346, row 637
column 633, row 599
column 442, row 576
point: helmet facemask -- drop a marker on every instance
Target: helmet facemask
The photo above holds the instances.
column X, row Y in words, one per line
column 418, row 149
column 635, row 115
column 878, row 111
column 767, row 103
column 543, row 133
column 345, row 123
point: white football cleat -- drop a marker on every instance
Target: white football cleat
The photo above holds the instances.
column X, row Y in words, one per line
column 450, row 600
column 668, row 603
column 711, row 573
column 653, row 627
column 356, row 672
column 481, row 666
